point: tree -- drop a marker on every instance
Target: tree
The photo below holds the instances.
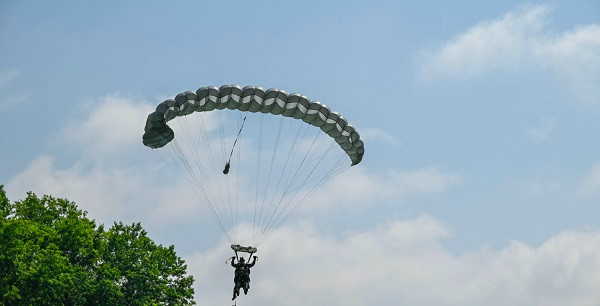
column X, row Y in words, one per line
column 52, row 254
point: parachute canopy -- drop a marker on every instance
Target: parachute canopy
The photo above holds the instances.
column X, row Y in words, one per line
column 252, row 99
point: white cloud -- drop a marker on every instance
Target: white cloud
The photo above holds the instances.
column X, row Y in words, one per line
column 8, row 76
column 100, row 191
column 136, row 186
column 575, row 56
column 151, row 192
column 375, row 134
column 405, row 263
column 10, row 100
column 488, row 45
column 542, row 187
column 109, row 192
column 521, row 40
column 543, row 130
column 356, row 187
column 591, row 183
column 113, row 125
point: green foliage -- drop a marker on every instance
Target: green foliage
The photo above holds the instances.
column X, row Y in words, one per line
column 52, row 254
column 4, row 204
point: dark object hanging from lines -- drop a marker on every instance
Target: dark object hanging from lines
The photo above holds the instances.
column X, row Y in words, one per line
column 228, row 163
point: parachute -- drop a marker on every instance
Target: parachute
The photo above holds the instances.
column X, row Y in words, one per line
column 283, row 147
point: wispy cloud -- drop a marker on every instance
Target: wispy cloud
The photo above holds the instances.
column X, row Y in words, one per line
column 375, row 134
column 542, row 187
column 590, row 186
column 113, row 124
column 357, row 187
column 501, row 43
column 405, row 262
column 8, row 100
column 8, row 76
column 544, row 129
column 521, row 40
column 112, row 192
column 126, row 190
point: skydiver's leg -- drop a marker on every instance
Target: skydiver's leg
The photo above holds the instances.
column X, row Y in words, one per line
column 236, row 291
column 246, row 287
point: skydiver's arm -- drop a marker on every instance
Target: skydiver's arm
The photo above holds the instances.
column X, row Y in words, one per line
column 253, row 262
column 233, row 264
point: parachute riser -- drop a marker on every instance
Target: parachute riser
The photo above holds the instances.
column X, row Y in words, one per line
column 228, row 163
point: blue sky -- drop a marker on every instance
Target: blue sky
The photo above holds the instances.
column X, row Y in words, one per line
column 479, row 121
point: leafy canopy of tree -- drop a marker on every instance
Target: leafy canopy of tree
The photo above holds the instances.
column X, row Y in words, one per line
column 52, row 254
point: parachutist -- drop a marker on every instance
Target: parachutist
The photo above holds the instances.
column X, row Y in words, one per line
column 242, row 275
column 285, row 115
column 226, row 170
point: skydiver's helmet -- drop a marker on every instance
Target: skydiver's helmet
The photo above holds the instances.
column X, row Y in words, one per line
column 242, row 260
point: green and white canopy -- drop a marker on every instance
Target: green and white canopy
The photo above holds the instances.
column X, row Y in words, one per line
column 252, row 99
